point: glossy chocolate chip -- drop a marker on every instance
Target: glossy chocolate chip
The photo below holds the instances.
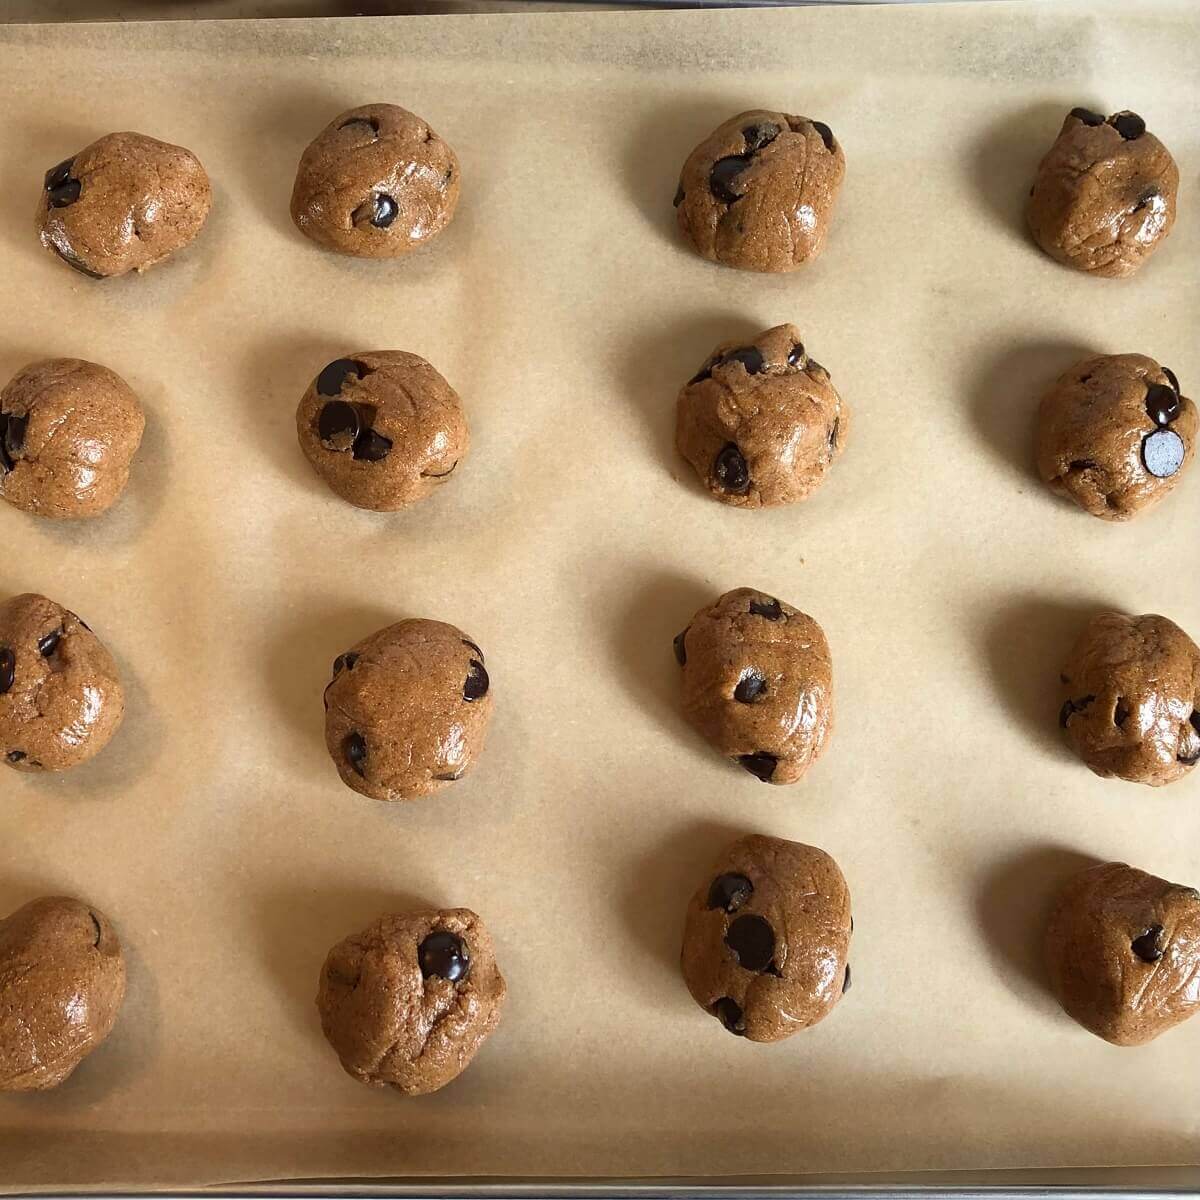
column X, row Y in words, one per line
column 383, row 211
column 75, row 263
column 846, row 980
column 1162, row 403
column 796, row 355
column 15, row 756
column 729, row 892
column 1147, row 946
column 14, row 435
column 678, row 196
column 826, row 134
column 370, row 446
column 1128, row 124
column 477, row 684
column 1147, row 197
column 752, row 941
column 705, row 372
column 749, row 356
column 338, row 425
column 1171, row 378
column 1071, row 707
column 1195, row 720
column 761, row 765
column 1087, row 116
column 1121, row 711
column 730, row 470
column 65, row 194
column 1163, row 453
column 8, row 669
column 332, row 379
column 445, row 955
column 1082, row 464
column 369, row 122
column 344, row 662
column 751, row 687
column 722, row 175
column 355, row 750
column 760, row 135
column 57, row 176
column 49, row 642
column 729, row 1013
column 769, row 608
column 680, row 648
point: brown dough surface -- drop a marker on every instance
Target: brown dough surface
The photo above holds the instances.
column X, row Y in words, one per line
column 766, row 938
column 1123, row 952
column 1115, row 435
column 377, row 183
column 68, row 432
column 62, row 980
column 758, row 192
column 123, row 204
column 758, row 683
column 407, row 710
column 406, row 1011
column 1130, row 692
column 60, row 696
column 382, row 428
column 1103, row 199
column 761, row 422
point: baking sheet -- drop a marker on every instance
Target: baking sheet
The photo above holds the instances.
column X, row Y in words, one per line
column 573, row 546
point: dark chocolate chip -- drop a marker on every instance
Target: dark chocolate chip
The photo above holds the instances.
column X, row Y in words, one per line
column 1145, row 198
column 1146, row 946
column 439, row 474
column 14, row 435
column 338, row 425
column 384, row 211
column 751, row 687
column 760, row 135
column 833, row 433
column 681, row 648
column 761, row 765
column 1082, row 464
column 445, row 955
column 1071, row 707
column 752, row 941
column 729, row 1013
column 722, row 175
column 730, row 470
column 6, row 463
column 370, row 446
column 1087, row 116
column 1128, row 124
column 846, row 980
column 96, row 927
column 471, row 645
column 729, row 892
column 15, row 756
column 813, row 365
column 1162, row 403
column 769, row 608
column 333, row 377
column 345, row 662
column 477, row 683
column 1163, row 453
column 65, row 194
column 1195, row 720
column 796, row 355
column 1121, row 711
column 749, row 356
column 826, row 134
column 705, row 372
column 355, row 750
column 49, row 643
column 75, row 263
column 57, row 176
column 452, row 777
column 678, row 196
column 1174, row 382
column 370, row 122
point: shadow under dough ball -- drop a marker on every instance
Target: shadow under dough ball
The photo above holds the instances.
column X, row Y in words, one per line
column 407, row 1002
column 1122, row 950
column 1114, row 435
column 376, row 183
column 758, row 683
column 758, row 192
column 761, row 422
column 68, row 432
column 60, row 696
column 1103, row 198
column 766, row 938
column 383, row 429
column 62, row 981
column 407, row 710
column 123, row 204
column 1131, row 698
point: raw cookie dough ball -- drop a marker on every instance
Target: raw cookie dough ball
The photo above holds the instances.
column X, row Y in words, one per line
column 62, row 980
column 1123, row 952
column 376, row 183
column 382, row 428
column 410, row 1000
column 1114, row 434
column 60, row 696
column 407, row 710
column 68, row 432
column 758, row 192
column 761, row 422
column 1131, row 695
column 123, row 204
column 1104, row 195
column 766, row 938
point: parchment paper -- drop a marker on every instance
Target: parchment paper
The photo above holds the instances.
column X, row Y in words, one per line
column 573, row 546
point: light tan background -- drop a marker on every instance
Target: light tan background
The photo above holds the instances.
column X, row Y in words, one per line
column 572, row 546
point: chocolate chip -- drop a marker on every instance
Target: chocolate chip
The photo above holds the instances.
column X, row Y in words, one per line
column 65, row 194
column 14, row 435
column 49, row 643
column 681, row 648
column 826, row 134
column 438, row 474
column 477, row 683
column 769, row 608
column 15, row 756
column 1174, row 382
column 57, row 176
column 345, row 662
column 705, row 372
column 1195, row 720
column 74, row 262
column 1071, row 707
column 846, row 980
column 760, row 135
column 355, row 750
column 796, row 355
column 471, row 645
column 749, row 356
column 6, row 463
column 729, row 1013
column 833, row 433
column 333, row 377
column 1128, row 124
column 761, row 765
column 1163, row 453
column 370, row 446
column 445, row 955
column 1146, row 947
column 729, row 892
column 730, row 470
column 1121, row 711
column 1147, row 197
column 722, row 175
column 678, row 196
column 369, row 122
column 813, row 365
column 384, row 211
column 1082, row 464
column 1087, row 116
column 451, row 777
column 1162, row 403
column 751, row 687
column 338, row 425
column 752, row 941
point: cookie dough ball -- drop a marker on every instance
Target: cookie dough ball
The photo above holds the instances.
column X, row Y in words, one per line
column 62, row 980
column 123, row 204
column 382, row 428
column 1103, row 198
column 758, row 192
column 1131, row 698
column 1123, row 952
column 1114, row 434
column 409, row 1001
column 766, row 938
column 68, row 432
column 758, row 683
column 407, row 710
column 60, row 696
column 761, row 422
column 376, row 183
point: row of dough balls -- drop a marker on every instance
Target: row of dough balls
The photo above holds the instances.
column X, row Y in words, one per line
column 407, row 709
column 408, row 1001
column 760, row 422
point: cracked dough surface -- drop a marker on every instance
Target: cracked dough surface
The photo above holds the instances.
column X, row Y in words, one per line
column 392, row 1013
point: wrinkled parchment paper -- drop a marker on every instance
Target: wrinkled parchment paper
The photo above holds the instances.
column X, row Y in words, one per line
column 573, row 545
